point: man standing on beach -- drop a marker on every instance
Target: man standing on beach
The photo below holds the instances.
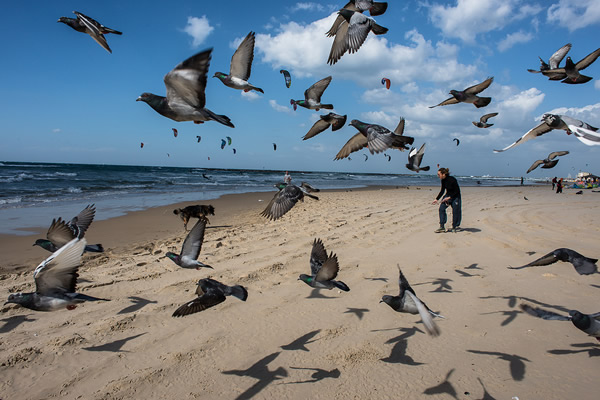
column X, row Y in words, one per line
column 554, row 180
column 559, row 186
column 287, row 178
column 452, row 198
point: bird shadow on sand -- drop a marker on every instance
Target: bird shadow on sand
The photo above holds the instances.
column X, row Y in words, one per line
column 465, row 274
column 516, row 362
column 472, row 230
column 359, row 312
column 377, row 279
column 444, row 387
column 317, row 294
column 115, row 346
column 442, row 283
column 593, row 349
column 138, row 303
column 473, row 266
column 302, row 341
column 398, row 354
column 318, row 375
column 512, row 302
column 219, row 226
column 260, row 371
column 13, row 322
column 510, row 315
column 596, row 286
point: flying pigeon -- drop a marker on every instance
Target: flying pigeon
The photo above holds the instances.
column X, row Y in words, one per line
column 210, row 293
column 414, row 159
column 374, row 8
column 483, row 121
column 287, row 77
column 469, row 95
column 583, row 131
column 325, row 121
column 191, row 248
column 554, row 61
column 457, row 141
column 351, row 36
column 570, row 73
column 323, row 269
column 240, row 68
column 286, row 198
column 588, row 323
column 56, row 281
column 185, row 99
column 312, row 96
column 60, row 232
column 90, row 26
column 408, row 302
column 549, row 161
column 377, row 138
column 583, row 265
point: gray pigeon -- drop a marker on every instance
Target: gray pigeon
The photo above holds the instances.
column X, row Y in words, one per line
column 588, row 323
column 61, row 232
column 554, row 61
column 583, row 265
column 191, row 248
column 408, row 302
column 56, row 281
column 551, row 122
column 374, row 8
column 210, row 293
column 325, row 121
column 351, row 36
column 312, row 96
column 88, row 25
column 570, row 73
column 323, row 269
column 185, row 99
column 483, row 121
column 548, row 162
column 286, row 198
column 240, row 68
column 469, row 95
column 414, row 159
column 376, row 137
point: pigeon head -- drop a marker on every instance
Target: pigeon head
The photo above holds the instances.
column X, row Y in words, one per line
column 18, row 298
column 153, row 100
column 44, row 244
column 387, row 299
column 456, row 94
column 305, row 278
column 294, row 103
column 569, row 63
column 220, row 75
column 551, row 119
column 358, row 124
column 172, row 256
column 347, row 14
column 580, row 320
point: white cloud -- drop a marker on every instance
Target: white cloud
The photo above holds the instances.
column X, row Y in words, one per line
column 198, row 29
column 56, row 130
column 574, row 14
column 308, row 6
column 597, row 84
column 468, row 18
column 250, row 96
column 514, row 38
column 279, row 108
column 589, row 113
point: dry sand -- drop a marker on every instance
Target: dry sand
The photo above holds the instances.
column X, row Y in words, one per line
column 288, row 341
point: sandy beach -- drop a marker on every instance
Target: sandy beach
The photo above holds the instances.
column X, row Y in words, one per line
column 289, row 341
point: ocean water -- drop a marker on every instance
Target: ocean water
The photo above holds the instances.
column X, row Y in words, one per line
column 31, row 194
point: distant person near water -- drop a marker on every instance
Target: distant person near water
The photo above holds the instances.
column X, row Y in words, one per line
column 451, row 198
column 554, row 180
column 559, row 186
column 287, row 178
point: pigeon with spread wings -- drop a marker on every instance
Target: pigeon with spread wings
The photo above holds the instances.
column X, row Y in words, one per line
column 375, row 8
column 240, row 67
column 483, row 120
column 325, row 121
column 414, row 159
column 188, row 258
column 588, row 323
column 583, row 265
column 323, row 268
column 88, row 25
column 469, row 95
column 548, row 162
column 210, row 293
column 286, row 198
column 554, row 61
column 312, row 96
column 570, row 72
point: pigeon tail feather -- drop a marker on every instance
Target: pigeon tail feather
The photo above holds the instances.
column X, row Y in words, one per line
column 580, row 79
column 94, row 248
column 85, row 297
column 425, row 168
column 327, row 106
column 237, row 291
column 220, row 118
column 378, row 8
column 378, row 29
column 341, row 285
column 482, row 102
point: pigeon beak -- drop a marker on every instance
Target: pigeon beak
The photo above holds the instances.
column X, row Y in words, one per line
column 139, row 99
column 381, row 301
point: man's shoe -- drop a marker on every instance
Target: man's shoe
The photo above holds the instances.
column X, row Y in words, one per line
column 441, row 229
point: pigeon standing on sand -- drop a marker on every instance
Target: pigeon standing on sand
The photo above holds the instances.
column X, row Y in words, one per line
column 351, row 36
column 332, row 119
column 588, row 323
column 90, row 26
column 583, row 265
column 210, row 293
column 408, row 302
column 375, row 8
column 570, row 73
column 286, row 198
column 312, row 96
column 549, row 161
column 185, row 99
column 56, row 281
column 240, row 67
column 191, row 248
column 483, row 121
column 323, row 268
column 414, row 159
column 554, row 61
column 60, row 232
column 469, row 95
column 376, row 137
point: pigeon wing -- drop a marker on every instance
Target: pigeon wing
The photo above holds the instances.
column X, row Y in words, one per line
column 58, row 273
column 339, row 20
column 544, row 314
column 60, row 233
column 201, row 303
column 316, row 90
column 282, row 202
column 403, row 284
column 187, row 81
column 559, row 55
column 340, row 43
column 355, row 143
column 241, row 61
column 426, row 317
column 548, row 259
column 329, row 270
column 484, row 118
column 336, row 121
column 575, row 122
column 84, row 219
column 317, row 128
column 318, row 256
column 451, row 100
column 587, row 60
column 480, row 87
column 418, row 156
column 92, row 29
column 400, row 128
column 555, row 154
column 531, row 134
column 535, row 165
column 193, row 241
column 379, row 139
column 358, row 30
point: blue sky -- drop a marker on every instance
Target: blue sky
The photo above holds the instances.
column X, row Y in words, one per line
column 65, row 99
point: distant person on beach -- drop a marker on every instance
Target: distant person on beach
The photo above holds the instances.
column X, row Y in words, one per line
column 559, row 186
column 287, row 178
column 451, row 198
column 554, row 180
column 521, row 181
